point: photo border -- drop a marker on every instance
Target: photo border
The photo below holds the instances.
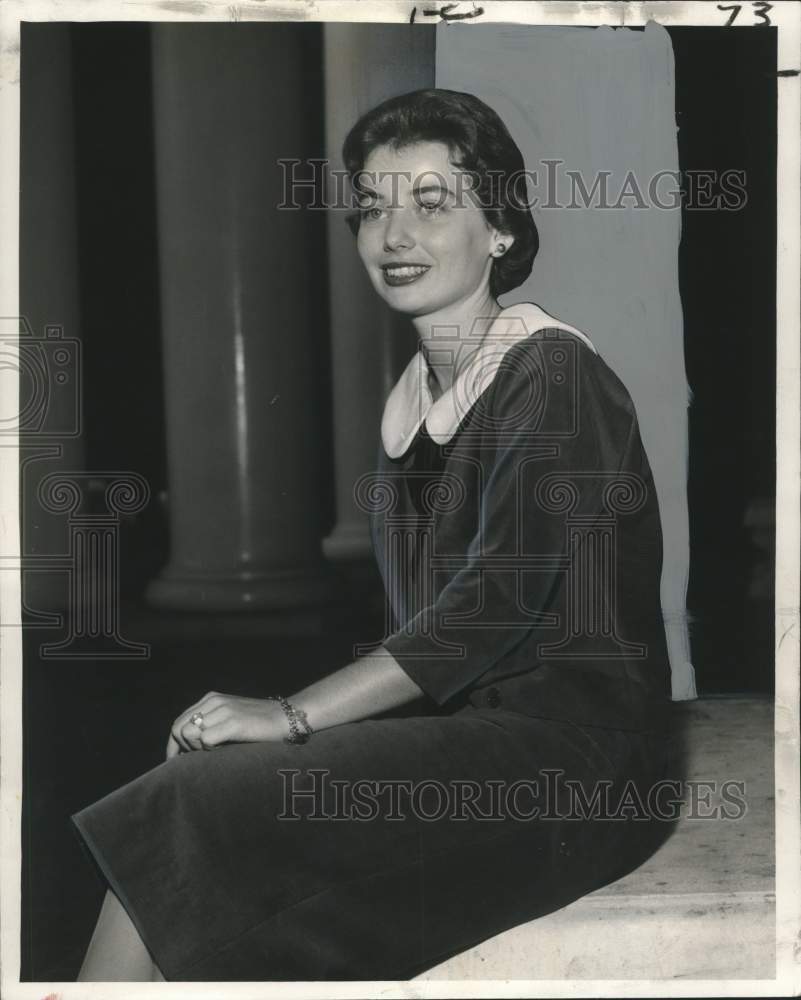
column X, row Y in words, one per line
column 786, row 17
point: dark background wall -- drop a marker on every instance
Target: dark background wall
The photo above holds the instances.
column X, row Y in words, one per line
column 123, row 404
column 726, row 114
column 118, row 714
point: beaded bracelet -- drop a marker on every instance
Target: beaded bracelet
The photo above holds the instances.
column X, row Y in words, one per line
column 299, row 729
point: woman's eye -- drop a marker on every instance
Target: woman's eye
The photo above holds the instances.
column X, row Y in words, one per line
column 373, row 212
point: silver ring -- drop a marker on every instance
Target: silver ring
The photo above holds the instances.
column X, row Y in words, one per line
column 197, row 720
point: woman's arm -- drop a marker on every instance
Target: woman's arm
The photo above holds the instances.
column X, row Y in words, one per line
column 369, row 686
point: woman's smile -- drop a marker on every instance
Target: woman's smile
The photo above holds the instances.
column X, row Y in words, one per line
column 403, row 274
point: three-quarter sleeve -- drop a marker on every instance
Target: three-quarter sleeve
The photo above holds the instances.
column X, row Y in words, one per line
column 545, row 449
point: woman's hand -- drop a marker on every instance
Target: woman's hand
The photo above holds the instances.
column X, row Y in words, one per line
column 226, row 718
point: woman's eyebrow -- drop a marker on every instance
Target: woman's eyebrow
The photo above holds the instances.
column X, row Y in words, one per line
column 364, row 192
column 367, row 192
column 432, row 187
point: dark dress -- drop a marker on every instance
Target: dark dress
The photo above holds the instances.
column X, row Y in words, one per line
column 522, row 562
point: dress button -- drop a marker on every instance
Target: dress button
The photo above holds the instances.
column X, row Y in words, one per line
column 493, row 697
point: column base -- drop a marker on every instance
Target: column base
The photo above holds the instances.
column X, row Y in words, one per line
column 243, row 592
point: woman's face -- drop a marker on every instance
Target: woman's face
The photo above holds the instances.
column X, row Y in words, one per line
column 424, row 241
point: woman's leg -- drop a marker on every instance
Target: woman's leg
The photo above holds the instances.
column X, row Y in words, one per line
column 283, row 894
column 116, row 952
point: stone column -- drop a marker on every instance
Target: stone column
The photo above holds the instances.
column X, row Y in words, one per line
column 364, row 65
column 245, row 459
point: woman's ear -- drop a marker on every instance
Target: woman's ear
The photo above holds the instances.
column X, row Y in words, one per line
column 501, row 243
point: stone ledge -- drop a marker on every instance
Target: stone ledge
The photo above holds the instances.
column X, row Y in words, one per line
column 688, row 936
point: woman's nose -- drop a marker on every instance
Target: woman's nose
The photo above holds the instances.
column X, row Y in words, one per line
column 398, row 232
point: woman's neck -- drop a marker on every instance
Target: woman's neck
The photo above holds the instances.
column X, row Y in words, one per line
column 450, row 337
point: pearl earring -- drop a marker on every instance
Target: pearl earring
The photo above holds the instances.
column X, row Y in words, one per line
column 501, row 248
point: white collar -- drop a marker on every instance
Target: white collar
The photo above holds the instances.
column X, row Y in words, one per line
column 411, row 402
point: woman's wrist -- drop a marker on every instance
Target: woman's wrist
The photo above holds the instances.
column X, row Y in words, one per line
column 295, row 726
column 369, row 686
column 275, row 720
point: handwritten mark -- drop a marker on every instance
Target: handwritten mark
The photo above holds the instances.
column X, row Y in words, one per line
column 759, row 9
column 785, row 634
column 446, row 13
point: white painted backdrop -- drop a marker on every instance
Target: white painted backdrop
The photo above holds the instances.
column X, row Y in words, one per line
column 602, row 99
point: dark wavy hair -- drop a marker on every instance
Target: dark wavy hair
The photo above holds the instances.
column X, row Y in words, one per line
column 479, row 144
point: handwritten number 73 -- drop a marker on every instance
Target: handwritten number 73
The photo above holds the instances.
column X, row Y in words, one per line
column 760, row 10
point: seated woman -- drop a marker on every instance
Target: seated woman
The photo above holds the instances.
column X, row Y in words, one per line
column 517, row 530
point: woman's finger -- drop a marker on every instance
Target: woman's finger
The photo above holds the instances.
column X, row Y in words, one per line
column 173, row 747
column 225, row 730
column 191, row 730
column 212, row 722
column 190, row 733
column 214, row 716
column 203, row 705
column 176, row 732
column 210, row 701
